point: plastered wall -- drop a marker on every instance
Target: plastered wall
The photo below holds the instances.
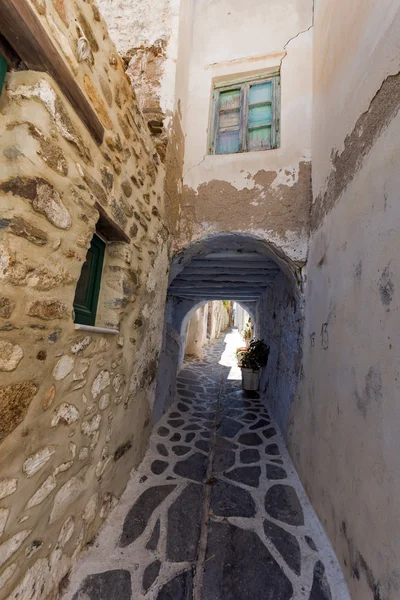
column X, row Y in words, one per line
column 204, row 326
column 265, row 193
column 344, row 424
column 75, row 405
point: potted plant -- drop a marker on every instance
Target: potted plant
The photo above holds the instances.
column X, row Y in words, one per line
column 251, row 363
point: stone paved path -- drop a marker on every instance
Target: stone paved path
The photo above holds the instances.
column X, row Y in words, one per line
column 215, row 511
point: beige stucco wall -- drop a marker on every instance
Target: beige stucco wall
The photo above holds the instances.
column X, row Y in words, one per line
column 265, row 193
column 75, row 405
column 205, row 325
column 344, row 425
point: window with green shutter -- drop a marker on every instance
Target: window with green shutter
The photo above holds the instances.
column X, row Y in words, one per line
column 246, row 115
column 88, row 287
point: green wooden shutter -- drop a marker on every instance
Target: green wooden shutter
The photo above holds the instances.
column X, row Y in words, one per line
column 88, row 287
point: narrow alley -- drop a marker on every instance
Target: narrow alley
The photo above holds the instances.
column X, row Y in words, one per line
column 215, row 511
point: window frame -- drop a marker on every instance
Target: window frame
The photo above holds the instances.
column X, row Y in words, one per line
column 244, row 85
column 86, row 314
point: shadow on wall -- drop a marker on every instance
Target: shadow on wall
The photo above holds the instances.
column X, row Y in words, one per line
column 248, row 270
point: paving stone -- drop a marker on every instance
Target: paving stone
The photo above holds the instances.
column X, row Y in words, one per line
column 192, row 428
column 176, row 422
column 278, row 461
column 194, row 467
column 185, row 373
column 181, row 450
column 320, row 588
column 184, row 524
column 183, row 407
column 150, row 574
column 176, row 437
column 259, row 424
column 161, row 448
column 286, row 544
column 250, row 455
column 179, row 588
column 282, row 503
column 311, row 543
column 247, row 475
column 163, row 431
column 174, row 415
column 206, row 434
column 269, row 433
column 155, row 536
column 203, row 445
column 229, row 500
column 229, row 428
column 250, row 439
column 223, row 459
column 249, row 417
column 239, row 566
column 187, row 394
column 272, row 449
column 138, row 516
column 110, row 585
column 275, row 472
column 189, row 437
column 158, row 466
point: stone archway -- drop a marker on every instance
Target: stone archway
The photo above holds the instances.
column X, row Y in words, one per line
column 249, row 270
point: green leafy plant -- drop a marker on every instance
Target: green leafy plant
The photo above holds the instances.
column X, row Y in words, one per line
column 256, row 356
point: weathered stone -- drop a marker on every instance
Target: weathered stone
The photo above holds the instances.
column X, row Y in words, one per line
column 320, row 588
column 180, row 450
column 65, row 496
column 66, row 532
column 239, row 566
column 282, row 503
column 137, row 518
column 22, row 228
column 158, row 466
column 44, row 198
column 150, row 574
column 228, row 500
column 269, row 433
column 63, row 367
column 90, row 427
column 4, row 512
column 113, row 585
column 105, row 88
column 122, row 450
column 247, row 475
column 184, row 524
column 101, row 382
column 163, row 431
column 250, row 439
column 90, row 510
column 7, row 487
column 118, row 382
column 126, row 188
column 10, row 356
column 48, row 310
column 194, row 467
column 97, row 102
column 7, row 574
column 155, row 536
column 34, row 463
column 286, row 544
column 11, row 545
column 80, row 345
column 178, row 588
column 41, row 494
column 161, row 448
column 97, row 191
column 66, row 414
column 311, row 543
column 6, row 307
column 275, row 472
column 50, row 152
column 14, row 403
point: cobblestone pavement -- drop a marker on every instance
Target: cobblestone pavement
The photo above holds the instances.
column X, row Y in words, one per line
column 215, row 511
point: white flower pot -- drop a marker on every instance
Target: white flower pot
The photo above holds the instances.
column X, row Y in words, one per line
column 250, row 379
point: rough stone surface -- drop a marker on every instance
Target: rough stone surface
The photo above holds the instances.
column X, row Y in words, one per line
column 194, row 467
column 36, row 461
column 320, row 588
column 247, row 475
column 150, row 574
column 63, row 367
column 286, row 544
column 233, row 574
column 10, row 546
column 282, row 503
column 65, row 414
column 184, row 524
column 110, row 585
column 65, row 496
column 137, row 518
column 10, row 356
column 155, row 536
column 228, row 500
column 14, row 403
column 178, row 588
column 7, row 487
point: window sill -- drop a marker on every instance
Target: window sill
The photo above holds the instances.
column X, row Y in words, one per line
column 95, row 329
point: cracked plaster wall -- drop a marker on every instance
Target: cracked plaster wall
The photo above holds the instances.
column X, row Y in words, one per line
column 265, row 193
column 343, row 432
column 75, row 406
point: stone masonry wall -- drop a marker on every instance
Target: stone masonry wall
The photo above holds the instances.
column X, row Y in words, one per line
column 75, row 405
